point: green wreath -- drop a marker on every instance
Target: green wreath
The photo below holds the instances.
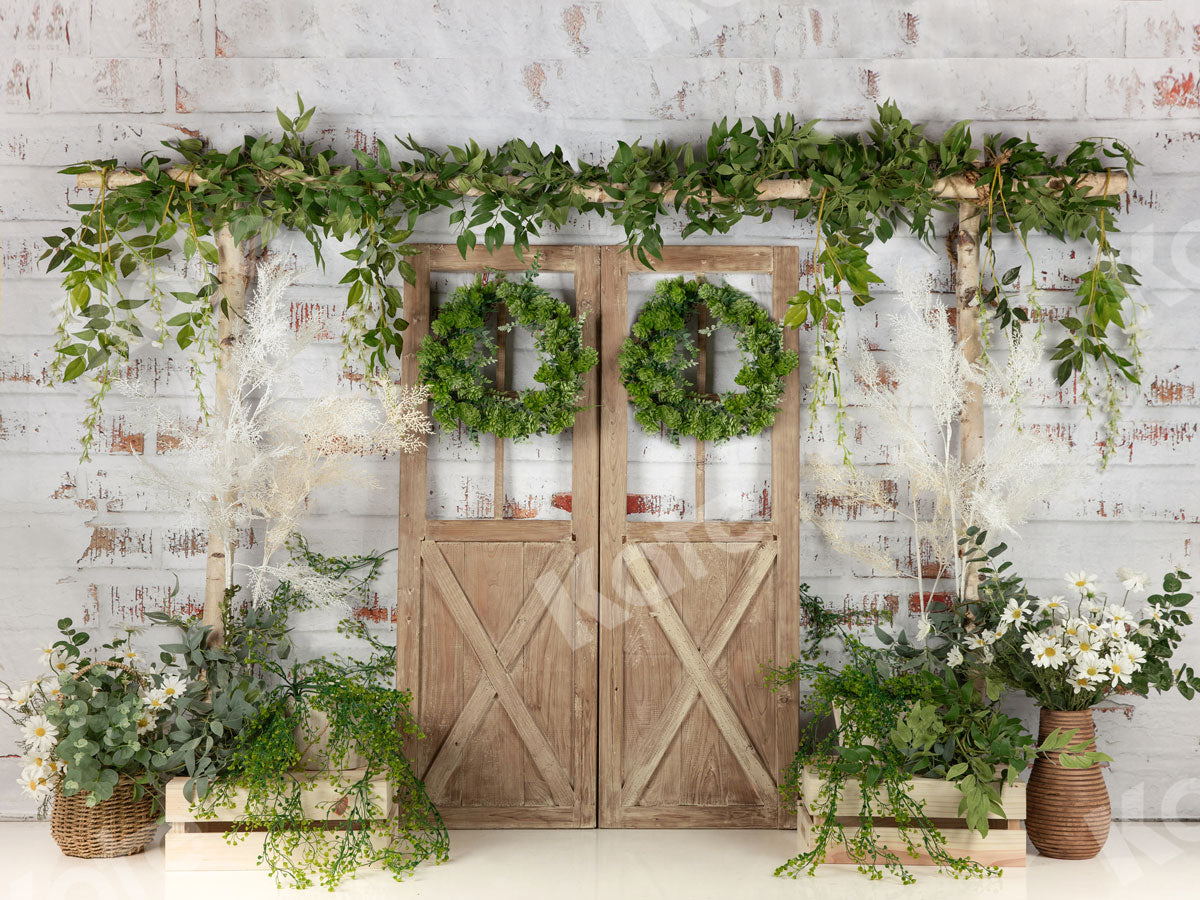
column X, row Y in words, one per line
column 453, row 362
column 661, row 349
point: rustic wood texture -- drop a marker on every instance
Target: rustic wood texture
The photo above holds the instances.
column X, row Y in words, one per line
column 690, row 737
column 504, row 616
column 1004, row 844
column 1069, row 813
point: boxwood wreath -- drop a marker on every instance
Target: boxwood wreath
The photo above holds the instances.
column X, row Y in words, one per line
column 863, row 187
column 661, row 348
column 453, row 361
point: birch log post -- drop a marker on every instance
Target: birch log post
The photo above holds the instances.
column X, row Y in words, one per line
column 234, row 275
column 970, row 339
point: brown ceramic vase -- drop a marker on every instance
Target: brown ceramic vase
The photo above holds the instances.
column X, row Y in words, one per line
column 1068, row 814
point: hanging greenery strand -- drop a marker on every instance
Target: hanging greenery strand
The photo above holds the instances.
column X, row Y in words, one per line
column 860, row 188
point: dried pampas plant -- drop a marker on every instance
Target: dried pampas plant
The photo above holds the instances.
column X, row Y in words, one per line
column 260, row 459
column 920, row 407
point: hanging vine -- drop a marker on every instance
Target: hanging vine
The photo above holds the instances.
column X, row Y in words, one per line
column 863, row 188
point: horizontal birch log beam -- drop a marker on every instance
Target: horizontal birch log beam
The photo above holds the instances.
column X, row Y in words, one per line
column 955, row 187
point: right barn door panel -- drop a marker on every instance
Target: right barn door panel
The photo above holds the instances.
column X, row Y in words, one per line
column 699, row 579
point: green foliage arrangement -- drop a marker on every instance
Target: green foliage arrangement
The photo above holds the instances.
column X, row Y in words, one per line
column 661, row 349
column 894, row 726
column 251, row 731
column 864, row 187
column 94, row 720
column 455, row 356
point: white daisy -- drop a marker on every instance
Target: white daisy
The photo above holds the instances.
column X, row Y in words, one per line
column 976, row 641
column 155, row 700
column 1155, row 615
column 173, row 686
column 1081, row 581
column 1055, row 607
column 1135, row 653
column 131, row 657
column 1116, row 614
column 1119, row 668
column 1090, row 669
column 1074, row 627
column 40, row 736
column 1134, row 582
column 35, row 786
column 25, row 692
column 990, row 637
column 46, row 654
column 63, row 664
column 145, row 722
column 955, row 658
column 1016, row 613
column 1048, row 653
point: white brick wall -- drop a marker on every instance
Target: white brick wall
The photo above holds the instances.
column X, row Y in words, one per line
column 82, row 80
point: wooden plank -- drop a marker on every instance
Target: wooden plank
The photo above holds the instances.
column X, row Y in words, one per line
column 551, row 258
column 473, row 630
column 490, row 530
column 537, row 600
column 785, row 517
column 1001, row 847
column 318, row 800
column 755, row 816
column 941, row 798
column 585, row 526
column 613, row 451
column 700, row 258
column 448, row 668
column 498, row 444
column 700, row 532
column 689, row 655
column 713, row 644
column 954, row 187
column 509, row 817
column 412, row 502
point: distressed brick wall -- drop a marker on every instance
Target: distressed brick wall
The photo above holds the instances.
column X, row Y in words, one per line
column 82, row 79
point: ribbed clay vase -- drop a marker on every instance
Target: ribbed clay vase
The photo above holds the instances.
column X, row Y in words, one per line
column 1068, row 814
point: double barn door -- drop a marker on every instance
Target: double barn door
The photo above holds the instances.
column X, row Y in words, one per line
column 600, row 670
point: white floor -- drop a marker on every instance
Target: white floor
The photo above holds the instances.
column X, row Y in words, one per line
column 1160, row 861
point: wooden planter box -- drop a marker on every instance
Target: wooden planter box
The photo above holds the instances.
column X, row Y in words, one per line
column 195, row 844
column 1003, row 846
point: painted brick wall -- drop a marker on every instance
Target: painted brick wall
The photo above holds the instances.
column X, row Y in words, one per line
column 82, row 79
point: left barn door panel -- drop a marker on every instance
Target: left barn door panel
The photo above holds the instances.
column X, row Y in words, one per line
column 496, row 614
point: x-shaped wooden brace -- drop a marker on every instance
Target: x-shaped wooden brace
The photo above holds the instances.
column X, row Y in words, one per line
column 697, row 663
column 496, row 661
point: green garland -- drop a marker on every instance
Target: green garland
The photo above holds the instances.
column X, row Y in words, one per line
column 454, row 357
column 661, row 349
column 864, row 188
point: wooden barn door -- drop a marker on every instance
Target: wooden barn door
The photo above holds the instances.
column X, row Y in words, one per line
column 497, row 616
column 689, row 609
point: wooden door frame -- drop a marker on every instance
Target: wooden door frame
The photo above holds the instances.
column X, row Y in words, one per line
column 417, row 535
column 618, row 536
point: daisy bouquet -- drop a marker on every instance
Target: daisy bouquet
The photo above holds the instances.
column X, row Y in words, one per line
column 1070, row 651
column 89, row 721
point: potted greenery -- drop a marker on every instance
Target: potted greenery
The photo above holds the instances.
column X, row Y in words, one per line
column 315, row 768
column 902, row 738
column 1068, row 653
column 96, row 742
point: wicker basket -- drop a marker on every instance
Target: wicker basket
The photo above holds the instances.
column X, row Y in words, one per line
column 118, row 826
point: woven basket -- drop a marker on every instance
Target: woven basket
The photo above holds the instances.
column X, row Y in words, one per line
column 118, row 826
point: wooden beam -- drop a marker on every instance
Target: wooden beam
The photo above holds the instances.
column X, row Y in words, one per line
column 955, row 187
column 234, row 275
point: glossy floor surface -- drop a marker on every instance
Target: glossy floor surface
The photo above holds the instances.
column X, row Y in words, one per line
column 1155, row 860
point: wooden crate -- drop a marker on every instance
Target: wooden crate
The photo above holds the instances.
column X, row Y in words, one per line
column 194, row 844
column 1003, row 846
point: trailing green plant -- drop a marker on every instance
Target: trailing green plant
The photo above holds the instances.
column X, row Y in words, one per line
column 655, row 359
column 455, row 356
column 863, row 188
column 893, row 726
column 821, row 623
